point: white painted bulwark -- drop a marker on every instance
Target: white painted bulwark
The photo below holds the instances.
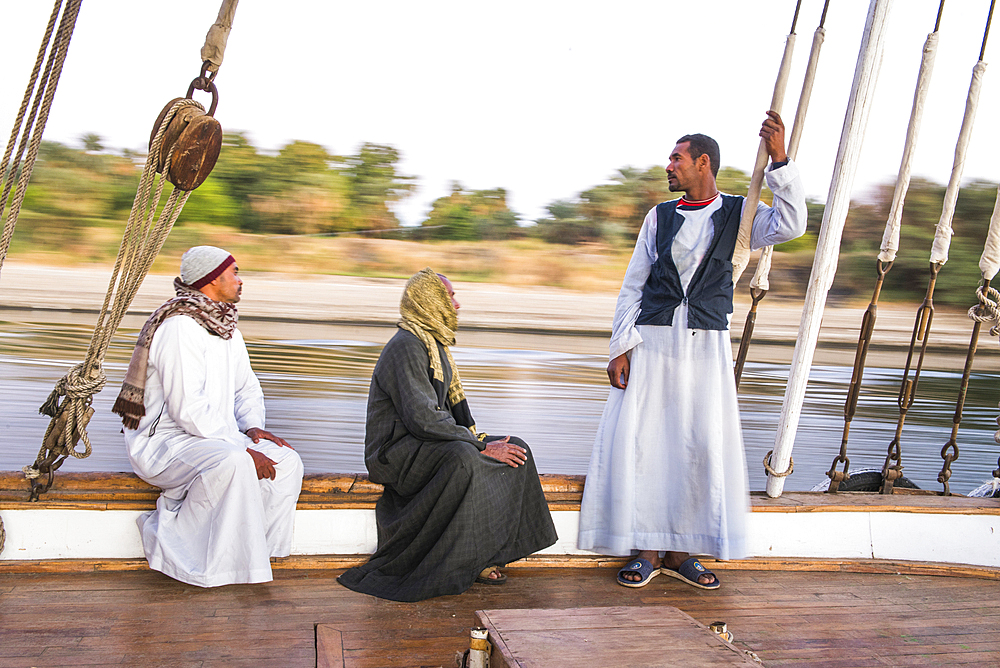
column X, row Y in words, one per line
column 52, row 533
column 972, row 540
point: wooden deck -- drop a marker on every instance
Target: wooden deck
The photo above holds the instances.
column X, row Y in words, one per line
column 145, row 619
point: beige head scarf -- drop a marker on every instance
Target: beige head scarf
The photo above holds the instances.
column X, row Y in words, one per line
column 429, row 315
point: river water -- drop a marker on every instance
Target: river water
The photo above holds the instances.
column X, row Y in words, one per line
column 316, row 391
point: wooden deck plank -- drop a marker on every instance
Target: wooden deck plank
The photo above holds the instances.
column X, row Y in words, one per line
column 787, row 618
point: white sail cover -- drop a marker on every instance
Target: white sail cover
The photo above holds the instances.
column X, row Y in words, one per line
column 943, row 233
column 741, row 255
column 218, row 35
column 890, row 240
column 759, row 280
column 828, row 244
column 989, row 263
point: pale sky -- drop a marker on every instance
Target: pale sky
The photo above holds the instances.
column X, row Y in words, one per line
column 539, row 97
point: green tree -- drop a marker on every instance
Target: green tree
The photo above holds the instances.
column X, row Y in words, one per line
column 374, row 185
column 92, row 142
column 470, row 215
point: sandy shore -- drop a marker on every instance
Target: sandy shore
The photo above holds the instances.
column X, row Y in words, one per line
column 292, row 306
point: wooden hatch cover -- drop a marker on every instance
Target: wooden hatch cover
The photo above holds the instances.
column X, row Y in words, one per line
column 646, row 637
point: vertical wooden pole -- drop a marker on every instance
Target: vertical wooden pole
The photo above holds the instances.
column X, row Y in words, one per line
column 828, row 246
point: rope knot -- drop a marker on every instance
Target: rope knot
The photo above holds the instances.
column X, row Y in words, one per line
column 988, row 308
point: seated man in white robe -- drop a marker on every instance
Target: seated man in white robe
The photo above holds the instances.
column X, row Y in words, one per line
column 193, row 412
column 668, row 476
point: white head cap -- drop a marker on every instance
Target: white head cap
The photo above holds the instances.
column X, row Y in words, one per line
column 203, row 264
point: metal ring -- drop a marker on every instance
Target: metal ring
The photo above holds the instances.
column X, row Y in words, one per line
column 772, row 472
column 201, row 83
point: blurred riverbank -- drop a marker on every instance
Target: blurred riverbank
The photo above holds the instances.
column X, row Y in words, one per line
column 492, row 315
column 532, row 359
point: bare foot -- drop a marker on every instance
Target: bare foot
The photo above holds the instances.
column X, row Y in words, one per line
column 651, row 556
column 673, row 561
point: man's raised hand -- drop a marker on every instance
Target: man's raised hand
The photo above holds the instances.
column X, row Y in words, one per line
column 506, row 452
column 256, row 433
column 772, row 131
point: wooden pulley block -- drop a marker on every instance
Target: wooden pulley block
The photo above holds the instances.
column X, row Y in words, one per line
column 196, row 139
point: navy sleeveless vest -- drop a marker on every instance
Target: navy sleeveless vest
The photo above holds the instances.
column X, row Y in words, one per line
column 710, row 294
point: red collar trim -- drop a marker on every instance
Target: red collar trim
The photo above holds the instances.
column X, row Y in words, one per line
column 692, row 204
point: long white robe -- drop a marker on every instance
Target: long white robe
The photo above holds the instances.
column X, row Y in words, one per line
column 668, row 471
column 214, row 523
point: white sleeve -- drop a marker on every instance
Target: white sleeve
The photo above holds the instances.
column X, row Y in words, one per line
column 786, row 220
column 249, row 405
column 179, row 355
column 624, row 334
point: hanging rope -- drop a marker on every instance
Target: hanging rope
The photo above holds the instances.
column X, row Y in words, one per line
column 741, row 255
column 759, row 284
column 144, row 236
column 986, row 311
column 184, row 147
column 892, row 469
column 38, row 95
column 19, row 157
column 890, row 243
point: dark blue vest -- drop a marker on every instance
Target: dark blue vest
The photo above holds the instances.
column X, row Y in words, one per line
column 710, row 293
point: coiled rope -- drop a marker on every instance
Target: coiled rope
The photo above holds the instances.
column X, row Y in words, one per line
column 69, row 403
column 144, row 236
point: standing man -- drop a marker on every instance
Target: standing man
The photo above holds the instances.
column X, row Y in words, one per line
column 456, row 505
column 668, row 471
column 193, row 413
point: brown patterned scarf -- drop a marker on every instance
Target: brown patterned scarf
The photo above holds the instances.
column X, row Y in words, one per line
column 219, row 318
column 429, row 315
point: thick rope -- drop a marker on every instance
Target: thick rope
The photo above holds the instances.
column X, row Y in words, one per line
column 988, row 308
column 218, row 35
column 771, row 472
column 144, row 236
column 27, row 150
column 890, row 240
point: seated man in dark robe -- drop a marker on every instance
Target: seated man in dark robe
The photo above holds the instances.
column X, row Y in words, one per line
column 457, row 504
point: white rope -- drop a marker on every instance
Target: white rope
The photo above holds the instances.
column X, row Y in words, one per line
column 890, row 240
column 943, row 233
column 741, row 255
column 27, row 150
column 141, row 242
column 218, row 35
column 760, row 277
column 828, row 244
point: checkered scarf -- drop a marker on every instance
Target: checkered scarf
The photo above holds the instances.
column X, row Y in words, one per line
column 218, row 318
column 429, row 315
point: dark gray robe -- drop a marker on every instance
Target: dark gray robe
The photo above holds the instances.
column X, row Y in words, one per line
column 447, row 511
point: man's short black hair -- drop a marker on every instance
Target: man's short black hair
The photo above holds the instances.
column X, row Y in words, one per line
column 699, row 145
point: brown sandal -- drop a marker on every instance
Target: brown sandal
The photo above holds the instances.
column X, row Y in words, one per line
column 484, row 577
